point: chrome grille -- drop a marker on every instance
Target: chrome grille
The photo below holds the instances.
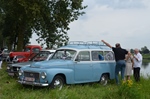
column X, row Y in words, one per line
column 32, row 75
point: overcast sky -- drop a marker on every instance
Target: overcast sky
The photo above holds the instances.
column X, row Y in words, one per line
column 116, row 21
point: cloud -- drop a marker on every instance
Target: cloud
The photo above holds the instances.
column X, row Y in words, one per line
column 122, row 4
column 124, row 21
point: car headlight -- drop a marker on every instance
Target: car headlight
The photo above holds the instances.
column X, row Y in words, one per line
column 17, row 68
column 43, row 75
column 20, row 72
column 8, row 67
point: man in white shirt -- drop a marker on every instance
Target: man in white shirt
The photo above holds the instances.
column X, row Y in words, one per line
column 137, row 64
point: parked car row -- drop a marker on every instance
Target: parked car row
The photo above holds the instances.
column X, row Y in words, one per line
column 77, row 62
column 43, row 55
column 28, row 52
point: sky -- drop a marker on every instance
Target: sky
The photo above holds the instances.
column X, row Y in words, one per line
column 116, row 21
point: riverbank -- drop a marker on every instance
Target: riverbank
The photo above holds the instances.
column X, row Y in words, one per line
column 146, row 57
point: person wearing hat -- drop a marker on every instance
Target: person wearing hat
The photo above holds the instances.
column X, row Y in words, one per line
column 120, row 60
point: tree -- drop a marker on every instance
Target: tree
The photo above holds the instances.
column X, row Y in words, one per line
column 13, row 25
column 144, row 50
column 49, row 19
column 132, row 50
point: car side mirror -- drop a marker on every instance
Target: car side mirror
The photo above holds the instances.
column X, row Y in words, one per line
column 77, row 60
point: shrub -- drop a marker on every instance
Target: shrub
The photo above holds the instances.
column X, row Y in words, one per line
column 129, row 90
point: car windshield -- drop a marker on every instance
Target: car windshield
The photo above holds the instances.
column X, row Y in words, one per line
column 5, row 51
column 43, row 55
column 64, row 54
column 19, row 56
column 27, row 50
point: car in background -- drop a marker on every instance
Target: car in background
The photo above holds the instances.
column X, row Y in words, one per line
column 21, row 58
column 29, row 50
column 5, row 54
column 77, row 62
column 43, row 55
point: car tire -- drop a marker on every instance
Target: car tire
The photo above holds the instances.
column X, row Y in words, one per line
column 104, row 79
column 57, row 83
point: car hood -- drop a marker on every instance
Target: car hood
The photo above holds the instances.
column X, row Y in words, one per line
column 51, row 63
column 20, row 64
column 18, row 53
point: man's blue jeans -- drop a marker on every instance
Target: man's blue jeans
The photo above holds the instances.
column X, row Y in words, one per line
column 120, row 66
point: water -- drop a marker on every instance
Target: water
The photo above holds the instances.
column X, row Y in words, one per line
column 145, row 70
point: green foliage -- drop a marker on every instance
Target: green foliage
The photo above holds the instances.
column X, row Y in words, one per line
column 129, row 90
column 49, row 19
column 144, row 50
column 146, row 56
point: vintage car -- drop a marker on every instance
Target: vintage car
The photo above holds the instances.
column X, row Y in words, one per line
column 29, row 51
column 43, row 55
column 76, row 63
column 5, row 54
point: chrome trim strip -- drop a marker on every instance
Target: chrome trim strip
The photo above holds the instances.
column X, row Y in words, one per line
column 33, row 83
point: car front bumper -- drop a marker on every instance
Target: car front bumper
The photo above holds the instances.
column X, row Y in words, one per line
column 33, row 83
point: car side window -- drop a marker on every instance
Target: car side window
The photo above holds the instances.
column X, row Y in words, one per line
column 97, row 56
column 83, row 56
column 108, row 55
column 35, row 50
column 27, row 50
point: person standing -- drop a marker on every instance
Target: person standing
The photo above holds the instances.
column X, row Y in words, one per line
column 129, row 65
column 0, row 58
column 120, row 60
column 137, row 58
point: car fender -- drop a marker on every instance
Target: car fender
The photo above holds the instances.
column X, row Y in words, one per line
column 68, row 74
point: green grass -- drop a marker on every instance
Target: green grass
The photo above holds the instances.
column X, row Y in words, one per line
column 146, row 58
column 11, row 89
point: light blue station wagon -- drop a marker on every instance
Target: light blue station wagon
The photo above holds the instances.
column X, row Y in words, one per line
column 76, row 63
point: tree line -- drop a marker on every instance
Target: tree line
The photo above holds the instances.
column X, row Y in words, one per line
column 143, row 50
column 49, row 19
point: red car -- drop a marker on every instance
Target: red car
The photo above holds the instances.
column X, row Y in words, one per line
column 29, row 51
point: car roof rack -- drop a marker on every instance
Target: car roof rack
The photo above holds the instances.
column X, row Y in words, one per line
column 95, row 43
column 76, row 43
column 88, row 43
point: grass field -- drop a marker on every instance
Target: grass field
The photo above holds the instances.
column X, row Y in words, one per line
column 11, row 89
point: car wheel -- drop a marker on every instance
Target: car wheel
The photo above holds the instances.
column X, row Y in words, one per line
column 57, row 83
column 104, row 79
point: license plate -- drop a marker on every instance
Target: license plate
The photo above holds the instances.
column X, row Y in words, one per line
column 11, row 74
column 29, row 79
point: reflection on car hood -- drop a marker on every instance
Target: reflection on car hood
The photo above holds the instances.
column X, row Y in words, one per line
column 51, row 63
column 20, row 64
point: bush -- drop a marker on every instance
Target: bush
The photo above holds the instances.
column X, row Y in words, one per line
column 129, row 90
